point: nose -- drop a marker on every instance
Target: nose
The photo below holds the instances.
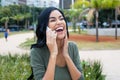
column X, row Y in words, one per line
column 58, row 21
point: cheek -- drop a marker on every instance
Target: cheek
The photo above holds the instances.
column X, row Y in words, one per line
column 65, row 25
column 51, row 25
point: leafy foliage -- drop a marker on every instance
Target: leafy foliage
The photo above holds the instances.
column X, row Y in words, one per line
column 81, row 4
column 14, row 67
column 22, row 14
column 92, row 70
column 18, row 68
column 27, row 44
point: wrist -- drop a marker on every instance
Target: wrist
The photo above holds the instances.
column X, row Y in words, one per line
column 66, row 56
column 53, row 55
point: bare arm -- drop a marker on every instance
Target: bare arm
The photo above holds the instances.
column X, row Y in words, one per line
column 51, row 41
column 74, row 72
column 49, row 74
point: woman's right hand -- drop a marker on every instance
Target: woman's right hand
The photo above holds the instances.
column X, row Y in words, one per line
column 51, row 42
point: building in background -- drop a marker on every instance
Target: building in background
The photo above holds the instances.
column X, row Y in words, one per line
column 22, row 2
column 42, row 3
column 8, row 2
column 12, row 2
column 66, row 4
column 35, row 3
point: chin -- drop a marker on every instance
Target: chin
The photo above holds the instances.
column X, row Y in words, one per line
column 61, row 37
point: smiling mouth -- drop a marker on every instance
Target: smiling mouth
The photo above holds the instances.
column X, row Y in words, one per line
column 59, row 29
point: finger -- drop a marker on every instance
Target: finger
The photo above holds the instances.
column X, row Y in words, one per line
column 55, row 34
column 66, row 36
column 54, row 31
column 65, row 39
column 48, row 28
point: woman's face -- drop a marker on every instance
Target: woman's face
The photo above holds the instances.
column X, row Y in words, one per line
column 57, row 23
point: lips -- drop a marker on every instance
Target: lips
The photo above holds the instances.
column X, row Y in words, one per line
column 59, row 29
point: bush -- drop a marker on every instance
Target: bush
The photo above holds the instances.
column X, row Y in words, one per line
column 14, row 67
column 18, row 68
column 92, row 70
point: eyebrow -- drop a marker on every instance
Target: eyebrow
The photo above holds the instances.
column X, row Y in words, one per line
column 54, row 17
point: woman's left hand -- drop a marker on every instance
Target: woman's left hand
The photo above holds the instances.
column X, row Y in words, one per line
column 65, row 47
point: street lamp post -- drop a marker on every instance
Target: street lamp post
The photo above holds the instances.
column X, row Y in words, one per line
column 116, row 14
column 72, row 4
column 62, row 4
column 33, row 19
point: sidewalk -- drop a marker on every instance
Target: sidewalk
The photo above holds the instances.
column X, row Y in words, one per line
column 11, row 46
column 109, row 59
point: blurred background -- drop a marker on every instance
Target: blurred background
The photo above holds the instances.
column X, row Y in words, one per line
column 93, row 24
column 22, row 14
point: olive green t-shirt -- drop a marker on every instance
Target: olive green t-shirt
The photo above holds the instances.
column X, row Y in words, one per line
column 39, row 61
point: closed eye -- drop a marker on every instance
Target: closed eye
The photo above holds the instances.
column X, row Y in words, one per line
column 61, row 18
column 53, row 20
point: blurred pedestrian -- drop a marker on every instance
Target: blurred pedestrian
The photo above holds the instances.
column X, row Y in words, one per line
column 6, row 33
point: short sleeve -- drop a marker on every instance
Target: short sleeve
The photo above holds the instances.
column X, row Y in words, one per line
column 37, row 64
column 76, row 59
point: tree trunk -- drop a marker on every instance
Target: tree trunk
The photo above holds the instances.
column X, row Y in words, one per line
column 6, row 24
column 96, row 13
column 73, row 24
column 18, row 22
column 116, row 23
column 26, row 24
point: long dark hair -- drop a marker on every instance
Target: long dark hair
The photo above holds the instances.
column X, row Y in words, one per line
column 43, row 19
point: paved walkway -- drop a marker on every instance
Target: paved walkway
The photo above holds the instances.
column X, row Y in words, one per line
column 12, row 45
column 104, row 31
column 109, row 58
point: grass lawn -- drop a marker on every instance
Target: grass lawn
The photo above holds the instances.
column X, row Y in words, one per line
column 98, row 45
column 88, row 42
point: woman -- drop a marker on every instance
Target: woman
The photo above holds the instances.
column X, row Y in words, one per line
column 53, row 57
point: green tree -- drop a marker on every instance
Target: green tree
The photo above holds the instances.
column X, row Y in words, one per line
column 5, row 14
column 27, row 16
column 74, row 14
column 116, row 5
column 112, row 4
column 97, row 5
column 5, row 20
column 16, row 13
column 18, row 18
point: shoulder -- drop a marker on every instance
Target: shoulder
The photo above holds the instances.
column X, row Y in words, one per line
column 35, row 50
column 38, row 51
column 71, row 43
column 73, row 48
column 39, row 55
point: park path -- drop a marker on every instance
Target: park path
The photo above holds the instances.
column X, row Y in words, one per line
column 12, row 45
column 109, row 58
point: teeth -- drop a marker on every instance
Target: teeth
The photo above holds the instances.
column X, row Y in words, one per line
column 59, row 28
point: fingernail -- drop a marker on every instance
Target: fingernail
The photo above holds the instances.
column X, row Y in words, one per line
column 48, row 28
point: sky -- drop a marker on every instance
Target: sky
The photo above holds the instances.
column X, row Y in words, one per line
column 56, row 1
